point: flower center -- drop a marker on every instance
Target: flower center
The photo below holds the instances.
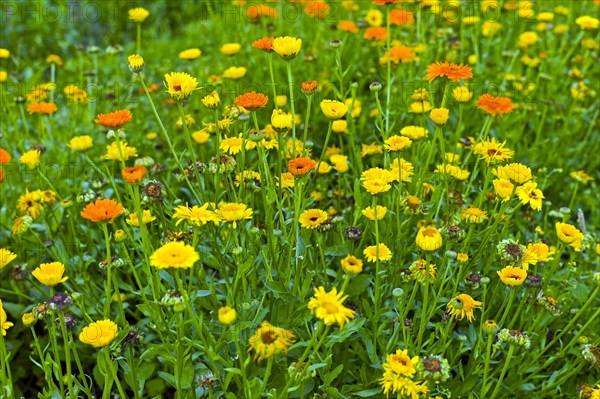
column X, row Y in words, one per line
column 177, row 88
column 268, row 337
column 330, row 308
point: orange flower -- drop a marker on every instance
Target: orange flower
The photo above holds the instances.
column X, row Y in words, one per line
column 309, row 86
column 42, row 108
column 401, row 17
column 317, row 9
column 301, row 166
column 2, row 175
column 399, row 54
column 114, row 120
column 133, row 174
column 4, row 156
column 102, row 210
column 454, row 72
column 265, row 44
column 375, row 33
column 495, row 106
column 348, row 26
column 254, row 12
column 251, row 101
column 382, row 2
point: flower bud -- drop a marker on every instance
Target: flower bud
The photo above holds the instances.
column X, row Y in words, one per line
column 398, row 292
column 335, row 43
column 375, row 86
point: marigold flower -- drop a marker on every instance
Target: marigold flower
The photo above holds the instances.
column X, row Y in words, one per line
column 180, row 85
column 81, row 143
column 196, row 215
column 287, row 47
column 371, row 214
column 351, row 264
column 462, row 94
column 4, row 323
column 251, row 101
column 492, row 150
column 233, row 212
column 397, row 143
column 265, row 44
column 347, row 26
column 528, row 193
column 133, row 219
column 268, row 341
column 587, row 23
column 454, row 171
column 136, row 63
column 463, row 305
column 114, row 120
column 211, row 100
column 439, row 116
column 44, row 108
column 31, row 158
column 50, row 274
column 578, row 175
column 570, row 235
column 374, row 252
column 312, row 218
column 328, row 306
column 309, row 86
column 4, row 53
column 495, row 106
column 454, row 72
column 190, row 54
column 399, row 54
column 227, row 315
column 138, row 14
column 6, row 257
column 4, row 156
column 414, row 132
column 333, row 109
column 516, row 172
column 375, row 33
column 99, row 333
column 133, row 174
column 174, row 254
column 301, row 166
column 28, row 319
column 512, row 276
column 102, row 210
column 401, row 17
column 403, row 171
column 473, row 215
column 119, row 151
column 231, row 48
column 429, row 238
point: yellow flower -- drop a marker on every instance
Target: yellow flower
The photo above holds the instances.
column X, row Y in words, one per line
column 328, row 306
column 376, row 186
column 31, row 158
column 198, row 216
column 581, row 176
column 231, row 48
column 473, row 215
column 201, row 136
column 4, row 324
column 180, row 85
column 334, row 109
column 528, row 193
column 281, row 121
column 136, row 63
column 339, row 126
column 463, row 305
column 401, row 363
column 462, row 257
column 351, row 264
column 287, row 47
column 429, row 238
column 190, row 54
column 414, row 132
column 227, row 315
column 380, row 251
column 99, row 333
column 492, row 150
column 117, row 152
column 50, row 274
column 4, row 53
column 233, row 145
column 233, row 212
column 371, row 214
column 587, row 23
column 420, row 107
column 512, row 276
column 454, row 171
column 6, row 257
column 234, row 72
column 340, row 163
column 374, row 17
column 570, row 235
column 3, row 76
column 397, row 143
column 313, row 218
column 268, row 341
column 287, row 180
column 212, row 100
column 28, row 319
column 138, row 14
column 147, row 217
column 504, row 189
column 439, row 116
column 81, row 143
column 526, row 39
column 176, row 254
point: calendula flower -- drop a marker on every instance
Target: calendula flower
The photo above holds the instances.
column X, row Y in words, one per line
column 328, row 306
column 535, row 253
column 133, row 174
column 6, row 257
column 4, row 157
column 281, row 121
column 119, row 151
column 268, row 341
column 462, row 94
column 570, row 235
column 312, row 218
column 4, row 323
column 453, row 170
column 102, row 210
column 180, row 85
column 114, row 120
column 503, row 188
column 251, row 101
column 196, row 215
column 455, row 72
column 528, row 193
column 233, row 145
column 512, row 276
column 334, row 109
column 99, row 333
column 287, row 47
column 371, row 214
column 233, row 212
column 439, row 116
column 419, row 270
column 587, row 23
column 400, row 363
column 495, row 106
column 265, row 44
column 231, row 48
column 174, row 254
column 516, row 172
column 376, row 186
column 397, row 143
column 527, row 39
column 579, row 176
column 429, row 238
column 30, row 158
column 414, row 132
column 227, row 315
column 301, row 166
column 43, row 108
column 370, row 149
column 190, row 54
column 492, row 150
column 473, row 215
column 81, row 143
column 351, row 264
column 309, row 87
column 138, row 14
column 463, row 305
column 133, row 219
column 398, row 369
column 211, row 100
column 378, row 33
column 136, row 63
column 28, row 319
column 50, row 274
column 234, row 72
column 374, row 252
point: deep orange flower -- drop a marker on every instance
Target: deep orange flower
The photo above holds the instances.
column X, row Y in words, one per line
column 347, row 26
column 454, row 72
column 316, row 9
column 400, row 54
column 133, row 174
column 251, row 101
column 375, row 33
column 114, row 120
column 102, row 210
column 42, row 108
column 310, row 86
column 301, row 166
column 254, row 12
column 265, row 44
column 2, row 176
column 382, row 2
column 401, row 17
column 4, row 156
column 495, row 106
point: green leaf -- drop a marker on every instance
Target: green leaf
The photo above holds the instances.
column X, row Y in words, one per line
column 368, row 393
column 332, row 375
column 170, row 378
column 345, row 332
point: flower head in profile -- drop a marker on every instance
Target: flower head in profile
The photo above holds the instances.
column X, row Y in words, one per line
column 227, row 315
column 114, row 120
column 81, row 143
column 586, row 22
column 334, row 109
column 397, row 143
column 99, row 333
column 190, row 54
column 50, row 274
column 30, row 158
column 570, row 235
column 313, row 218
column 269, row 340
column 462, row 94
column 175, row 254
column 180, row 85
column 251, row 101
column 495, row 106
column 119, row 151
column 265, row 44
column 301, row 166
column 351, row 264
column 377, row 252
column 102, row 210
column 473, row 215
column 211, row 100
column 133, row 174
column 512, row 276
column 4, row 323
column 463, row 305
column 147, row 217
column 6, row 257
column 504, row 189
column 281, row 121
column 287, row 47
column 196, row 215
column 454, row 72
column 429, row 238
column 328, row 306
column 42, row 108
column 138, row 14
column 233, row 212
column 136, row 63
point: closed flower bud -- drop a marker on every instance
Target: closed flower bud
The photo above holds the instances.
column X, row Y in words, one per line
column 136, row 63
column 353, row 233
column 439, row 116
column 120, row 235
column 375, row 86
column 490, row 327
column 398, row 292
column 227, row 315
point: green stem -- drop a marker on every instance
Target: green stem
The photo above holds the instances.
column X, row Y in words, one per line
column 511, row 350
